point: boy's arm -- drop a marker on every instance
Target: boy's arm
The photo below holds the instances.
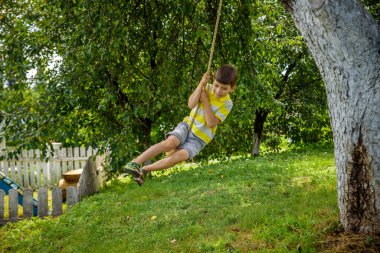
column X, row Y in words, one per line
column 196, row 95
column 211, row 119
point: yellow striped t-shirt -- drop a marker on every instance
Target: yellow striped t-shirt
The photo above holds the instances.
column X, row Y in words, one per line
column 221, row 107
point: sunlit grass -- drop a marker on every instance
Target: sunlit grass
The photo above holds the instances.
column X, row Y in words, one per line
column 279, row 202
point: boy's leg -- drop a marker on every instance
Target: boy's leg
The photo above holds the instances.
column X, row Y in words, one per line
column 134, row 168
column 164, row 146
column 179, row 155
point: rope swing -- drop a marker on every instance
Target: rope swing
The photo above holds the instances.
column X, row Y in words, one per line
column 214, row 37
column 210, row 58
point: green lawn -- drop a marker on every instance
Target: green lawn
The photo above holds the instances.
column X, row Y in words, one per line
column 280, row 202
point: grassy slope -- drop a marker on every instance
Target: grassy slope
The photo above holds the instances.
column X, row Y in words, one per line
column 277, row 202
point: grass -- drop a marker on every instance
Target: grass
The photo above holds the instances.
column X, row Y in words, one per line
column 281, row 202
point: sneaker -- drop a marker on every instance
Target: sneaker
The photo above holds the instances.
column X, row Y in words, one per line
column 133, row 169
column 139, row 180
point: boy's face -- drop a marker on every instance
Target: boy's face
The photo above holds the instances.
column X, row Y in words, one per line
column 221, row 89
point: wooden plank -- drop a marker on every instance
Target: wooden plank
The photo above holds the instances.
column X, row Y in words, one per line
column 43, row 202
column 50, row 173
column 33, row 175
column 87, row 184
column 89, row 152
column 28, row 171
column 71, row 196
column 22, row 168
column 34, row 170
column 19, row 173
column 63, row 155
column 76, row 158
column 13, row 170
column 24, row 155
column 6, row 168
column 45, row 175
column 2, row 205
column 58, row 171
column 13, row 204
column 28, row 203
column 57, row 201
column 70, row 155
column 82, row 154
column 37, row 154
column 100, row 172
column 56, row 163
column 26, row 174
column 39, row 168
column 50, row 166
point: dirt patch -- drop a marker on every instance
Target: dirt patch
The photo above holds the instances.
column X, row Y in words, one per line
column 345, row 242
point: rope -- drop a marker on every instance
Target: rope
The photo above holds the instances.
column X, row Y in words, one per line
column 214, row 37
column 211, row 56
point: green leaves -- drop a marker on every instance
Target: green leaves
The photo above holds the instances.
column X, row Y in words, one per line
column 126, row 69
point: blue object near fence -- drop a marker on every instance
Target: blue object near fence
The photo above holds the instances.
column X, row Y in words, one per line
column 7, row 184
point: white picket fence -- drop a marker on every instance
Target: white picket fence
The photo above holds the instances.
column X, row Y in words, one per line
column 43, row 203
column 30, row 171
column 90, row 182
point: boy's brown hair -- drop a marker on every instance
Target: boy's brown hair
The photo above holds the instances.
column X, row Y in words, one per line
column 226, row 74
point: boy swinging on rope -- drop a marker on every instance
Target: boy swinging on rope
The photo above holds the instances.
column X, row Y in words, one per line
column 214, row 106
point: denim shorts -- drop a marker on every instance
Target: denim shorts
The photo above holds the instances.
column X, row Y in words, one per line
column 188, row 141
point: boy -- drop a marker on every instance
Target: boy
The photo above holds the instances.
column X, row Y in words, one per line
column 214, row 106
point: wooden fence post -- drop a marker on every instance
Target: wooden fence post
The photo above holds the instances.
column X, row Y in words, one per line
column 71, row 196
column 92, row 177
column 55, row 167
column 100, row 173
column 57, row 201
column 42, row 202
column 43, row 209
column 28, row 203
column 13, row 204
column 87, row 181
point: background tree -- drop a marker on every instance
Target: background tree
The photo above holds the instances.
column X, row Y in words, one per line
column 344, row 40
column 20, row 44
column 120, row 65
column 117, row 75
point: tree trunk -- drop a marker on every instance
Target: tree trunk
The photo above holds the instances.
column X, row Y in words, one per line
column 261, row 116
column 345, row 43
column 145, row 129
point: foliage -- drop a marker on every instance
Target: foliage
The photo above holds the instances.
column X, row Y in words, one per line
column 279, row 202
column 277, row 75
column 117, row 75
column 22, row 114
column 373, row 7
column 118, row 70
column 273, row 141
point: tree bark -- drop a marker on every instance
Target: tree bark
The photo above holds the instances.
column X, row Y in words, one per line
column 345, row 43
column 261, row 116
